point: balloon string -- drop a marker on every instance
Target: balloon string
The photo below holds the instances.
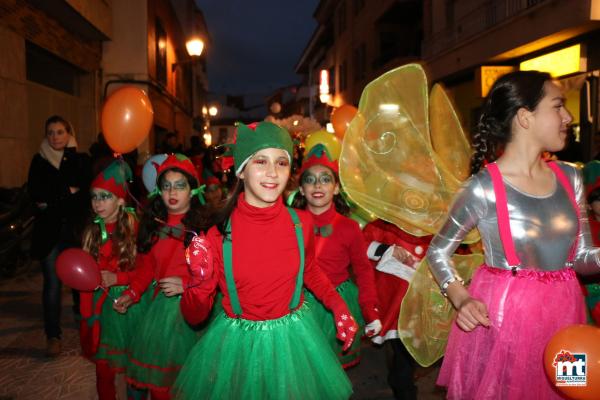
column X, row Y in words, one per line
column 136, row 201
column 114, row 300
column 139, row 204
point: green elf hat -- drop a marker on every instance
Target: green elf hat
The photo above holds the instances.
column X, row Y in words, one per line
column 319, row 155
column 591, row 176
column 114, row 179
column 255, row 137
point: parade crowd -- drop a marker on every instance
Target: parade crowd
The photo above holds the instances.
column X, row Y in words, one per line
column 241, row 272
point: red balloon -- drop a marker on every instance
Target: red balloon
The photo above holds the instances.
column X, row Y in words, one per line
column 341, row 118
column 127, row 117
column 572, row 357
column 78, row 269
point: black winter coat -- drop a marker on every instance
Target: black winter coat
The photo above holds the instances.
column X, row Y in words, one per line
column 64, row 217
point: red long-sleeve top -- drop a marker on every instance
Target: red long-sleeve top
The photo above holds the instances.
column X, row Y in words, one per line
column 165, row 259
column 107, row 261
column 265, row 260
column 341, row 248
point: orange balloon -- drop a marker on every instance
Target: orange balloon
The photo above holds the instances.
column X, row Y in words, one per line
column 341, row 118
column 126, row 118
column 572, row 357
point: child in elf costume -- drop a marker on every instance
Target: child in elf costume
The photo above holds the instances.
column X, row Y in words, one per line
column 110, row 239
column 163, row 339
column 213, row 192
column 260, row 254
column 339, row 244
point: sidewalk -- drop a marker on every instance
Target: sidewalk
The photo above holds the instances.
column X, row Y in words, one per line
column 25, row 372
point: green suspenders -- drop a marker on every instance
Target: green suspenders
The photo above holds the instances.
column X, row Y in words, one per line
column 300, row 239
column 228, row 266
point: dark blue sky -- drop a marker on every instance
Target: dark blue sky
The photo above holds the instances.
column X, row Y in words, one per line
column 255, row 44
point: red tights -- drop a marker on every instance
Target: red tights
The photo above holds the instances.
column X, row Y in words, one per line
column 159, row 395
column 105, row 385
column 105, row 381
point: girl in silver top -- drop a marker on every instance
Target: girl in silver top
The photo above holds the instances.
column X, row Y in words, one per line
column 534, row 228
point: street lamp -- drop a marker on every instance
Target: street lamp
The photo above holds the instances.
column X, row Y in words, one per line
column 195, row 46
column 212, row 111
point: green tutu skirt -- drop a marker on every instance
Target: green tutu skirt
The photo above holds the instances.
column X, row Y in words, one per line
column 287, row 358
column 217, row 309
column 324, row 319
column 160, row 345
column 116, row 329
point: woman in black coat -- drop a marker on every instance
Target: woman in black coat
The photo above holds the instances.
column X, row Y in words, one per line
column 58, row 183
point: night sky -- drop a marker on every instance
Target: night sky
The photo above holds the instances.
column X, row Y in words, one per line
column 255, row 44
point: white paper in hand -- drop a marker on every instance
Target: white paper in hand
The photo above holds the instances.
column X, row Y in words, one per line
column 391, row 265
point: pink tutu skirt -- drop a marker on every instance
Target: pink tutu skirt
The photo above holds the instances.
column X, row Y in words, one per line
column 505, row 361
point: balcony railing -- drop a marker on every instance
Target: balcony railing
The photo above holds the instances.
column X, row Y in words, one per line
column 479, row 20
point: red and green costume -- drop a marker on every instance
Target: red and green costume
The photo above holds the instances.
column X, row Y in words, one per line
column 99, row 341
column 263, row 345
column 105, row 334
column 339, row 245
column 162, row 339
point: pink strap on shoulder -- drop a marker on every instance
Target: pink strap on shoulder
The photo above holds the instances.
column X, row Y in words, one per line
column 564, row 181
column 502, row 215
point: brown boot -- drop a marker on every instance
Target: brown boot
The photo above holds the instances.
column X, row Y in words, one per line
column 53, row 347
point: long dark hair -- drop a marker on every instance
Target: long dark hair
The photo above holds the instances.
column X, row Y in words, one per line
column 194, row 220
column 220, row 217
column 338, row 200
column 511, row 92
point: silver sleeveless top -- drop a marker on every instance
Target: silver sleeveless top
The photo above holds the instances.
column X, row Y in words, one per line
column 543, row 227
